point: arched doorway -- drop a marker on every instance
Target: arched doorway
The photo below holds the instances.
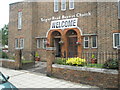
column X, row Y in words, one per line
column 56, row 38
column 72, row 47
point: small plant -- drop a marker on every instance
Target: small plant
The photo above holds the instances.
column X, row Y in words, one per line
column 93, row 56
column 36, row 54
column 37, row 57
column 93, row 59
column 111, row 64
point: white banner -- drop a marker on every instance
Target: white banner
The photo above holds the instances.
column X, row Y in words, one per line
column 62, row 24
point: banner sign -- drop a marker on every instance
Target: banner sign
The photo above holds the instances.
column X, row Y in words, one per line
column 65, row 23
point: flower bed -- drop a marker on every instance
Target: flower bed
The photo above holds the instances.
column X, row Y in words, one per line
column 109, row 64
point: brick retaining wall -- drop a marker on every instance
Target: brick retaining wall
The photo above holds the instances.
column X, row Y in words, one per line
column 8, row 63
column 99, row 77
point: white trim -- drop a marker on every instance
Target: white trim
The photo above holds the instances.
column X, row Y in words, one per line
column 86, row 40
column 89, row 34
column 38, row 43
column 70, row 1
column 114, row 40
column 63, row 5
column 92, row 42
column 44, row 42
column 56, row 5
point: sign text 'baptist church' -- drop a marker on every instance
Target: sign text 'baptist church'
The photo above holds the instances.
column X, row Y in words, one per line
column 62, row 24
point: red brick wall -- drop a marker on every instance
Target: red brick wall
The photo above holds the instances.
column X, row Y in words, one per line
column 87, row 77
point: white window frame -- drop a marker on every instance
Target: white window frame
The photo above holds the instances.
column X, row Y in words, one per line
column 87, row 41
column 114, row 40
column 38, row 43
column 63, row 5
column 44, row 43
column 71, row 3
column 56, row 5
column 21, row 43
column 20, row 20
column 92, row 41
column 16, row 43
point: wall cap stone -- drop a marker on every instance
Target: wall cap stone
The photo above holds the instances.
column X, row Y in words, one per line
column 99, row 70
column 9, row 60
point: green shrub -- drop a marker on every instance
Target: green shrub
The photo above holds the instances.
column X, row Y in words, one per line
column 60, row 61
column 111, row 64
column 76, row 61
column 4, row 55
column 94, row 65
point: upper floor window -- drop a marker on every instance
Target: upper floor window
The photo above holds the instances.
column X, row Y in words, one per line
column 19, row 20
column 94, row 41
column 55, row 5
column 71, row 4
column 86, row 42
column 63, row 5
column 116, row 40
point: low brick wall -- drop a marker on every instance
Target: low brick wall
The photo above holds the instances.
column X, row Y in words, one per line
column 8, row 63
column 99, row 77
column 13, row 65
column 28, row 65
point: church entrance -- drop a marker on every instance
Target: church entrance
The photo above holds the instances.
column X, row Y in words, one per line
column 72, row 46
column 56, row 38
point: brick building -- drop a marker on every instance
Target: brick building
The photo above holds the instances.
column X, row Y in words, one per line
column 71, row 27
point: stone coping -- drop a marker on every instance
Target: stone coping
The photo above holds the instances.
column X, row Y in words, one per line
column 9, row 60
column 100, row 70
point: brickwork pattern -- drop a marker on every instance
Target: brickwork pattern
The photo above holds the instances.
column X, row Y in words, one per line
column 103, row 21
column 86, row 77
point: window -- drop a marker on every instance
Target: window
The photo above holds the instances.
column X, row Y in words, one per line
column 116, row 39
column 71, row 4
column 55, row 5
column 44, row 43
column 38, row 43
column 20, row 20
column 118, row 9
column 21, row 43
column 94, row 41
column 86, row 42
column 41, row 43
column 63, row 5
column 16, row 43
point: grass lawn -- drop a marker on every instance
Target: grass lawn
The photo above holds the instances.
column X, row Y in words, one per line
column 94, row 65
column 27, row 61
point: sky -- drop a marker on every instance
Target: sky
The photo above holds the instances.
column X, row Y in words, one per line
column 4, row 14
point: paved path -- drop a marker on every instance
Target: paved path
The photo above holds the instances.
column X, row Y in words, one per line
column 26, row 79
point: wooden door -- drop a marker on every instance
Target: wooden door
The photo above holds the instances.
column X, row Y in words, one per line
column 72, row 47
